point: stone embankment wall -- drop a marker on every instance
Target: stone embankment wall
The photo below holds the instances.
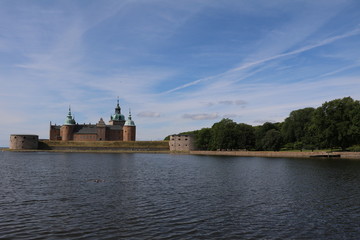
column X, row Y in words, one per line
column 105, row 146
column 23, row 141
column 349, row 155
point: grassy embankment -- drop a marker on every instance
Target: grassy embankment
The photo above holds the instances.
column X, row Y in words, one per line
column 105, row 146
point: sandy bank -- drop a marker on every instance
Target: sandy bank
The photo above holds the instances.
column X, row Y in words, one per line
column 347, row 155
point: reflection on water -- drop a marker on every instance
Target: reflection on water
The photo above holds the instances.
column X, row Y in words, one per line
column 160, row 196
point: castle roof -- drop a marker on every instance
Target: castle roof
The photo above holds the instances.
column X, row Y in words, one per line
column 86, row 129
column 69, row 119
column 129, row 121
column 117, row 116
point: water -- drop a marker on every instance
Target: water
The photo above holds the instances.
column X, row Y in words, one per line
column 160, row 196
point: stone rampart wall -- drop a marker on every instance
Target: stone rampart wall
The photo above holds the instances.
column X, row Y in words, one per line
column 181, row 143
column 23, row 141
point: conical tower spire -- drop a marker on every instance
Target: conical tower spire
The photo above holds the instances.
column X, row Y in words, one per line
column 118, row 109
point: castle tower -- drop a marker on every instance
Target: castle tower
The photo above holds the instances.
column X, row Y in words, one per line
column 101, row 130
column 66, row 130
column 117, row 118
column 129, row 129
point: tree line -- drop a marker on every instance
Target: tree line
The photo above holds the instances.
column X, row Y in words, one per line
column 335, row 124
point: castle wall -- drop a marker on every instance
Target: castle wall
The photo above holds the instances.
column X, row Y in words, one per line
column 85, row 137
column 101, row 133
column 181, row 143
column 24, row 141
column 55, row 133
column 114, row 135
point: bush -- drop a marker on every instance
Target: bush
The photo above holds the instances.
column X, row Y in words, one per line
column 355, row 148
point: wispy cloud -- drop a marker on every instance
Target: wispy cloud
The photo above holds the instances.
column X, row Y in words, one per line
column 256, row 63
column 182, row 64
column 324, row 42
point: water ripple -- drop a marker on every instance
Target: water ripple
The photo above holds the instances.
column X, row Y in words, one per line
column 158, row 196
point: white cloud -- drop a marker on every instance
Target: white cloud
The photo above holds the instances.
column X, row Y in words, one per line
column 232, row 115
column 201, row 116
column 148, row 114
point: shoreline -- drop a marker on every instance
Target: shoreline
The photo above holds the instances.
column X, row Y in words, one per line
column 83, row 151
column 269, row 154
column 285, row 154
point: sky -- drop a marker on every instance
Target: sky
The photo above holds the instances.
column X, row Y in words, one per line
column 178, row 65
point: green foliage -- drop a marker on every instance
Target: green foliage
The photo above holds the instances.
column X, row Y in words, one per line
column 288, row 146
column 334, row 124
column 224, row 135
column 246, row 136
column 355, row 148
column 295, row 127
column 337, row 124
column 299, row 146
column 203, row 138
column 260, row 132
column 272, row 141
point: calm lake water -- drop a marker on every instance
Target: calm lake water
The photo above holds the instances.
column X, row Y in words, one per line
column 160, row 196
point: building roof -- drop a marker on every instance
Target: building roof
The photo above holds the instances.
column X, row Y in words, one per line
column 69, row 119
column 117, row 116
column 129, row 121
column 86, row 129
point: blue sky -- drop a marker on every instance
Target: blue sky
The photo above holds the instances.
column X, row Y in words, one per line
column 179, row 65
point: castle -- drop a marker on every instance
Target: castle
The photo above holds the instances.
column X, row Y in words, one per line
column 118, row 129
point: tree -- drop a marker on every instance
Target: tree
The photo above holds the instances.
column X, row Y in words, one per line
column 224, row 135
column 337, row 123
column 260, row 132
column 227, row 134
column 203, row 138
column 296, row 126
column 272, row 141
column 246, row 138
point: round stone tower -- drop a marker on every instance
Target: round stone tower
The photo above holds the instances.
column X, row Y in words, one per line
column 129, row 129
column 66, row 130
column 24, row 141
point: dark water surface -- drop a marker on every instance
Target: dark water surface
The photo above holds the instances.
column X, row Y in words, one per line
column 160, row 196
